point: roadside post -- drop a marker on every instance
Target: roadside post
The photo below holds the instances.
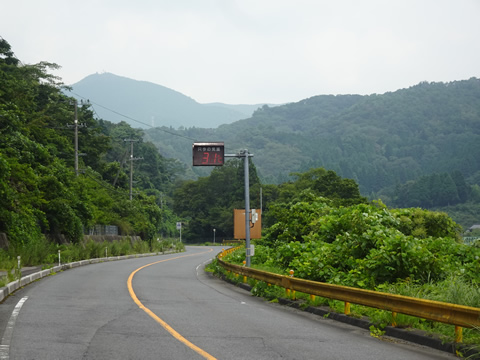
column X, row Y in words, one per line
column 179, row 227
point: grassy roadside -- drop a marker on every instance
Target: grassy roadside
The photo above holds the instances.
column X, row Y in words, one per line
column 46, row 254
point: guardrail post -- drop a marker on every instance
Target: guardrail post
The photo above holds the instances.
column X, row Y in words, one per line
column 347, row 308
column 312, row 298
column 244, row 277
column 394, row 318
column 294, row 296
column 18, row 272
column 458, row 334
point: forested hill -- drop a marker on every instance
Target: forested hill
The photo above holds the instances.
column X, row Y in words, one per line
column 378, row 140
column 46, row 191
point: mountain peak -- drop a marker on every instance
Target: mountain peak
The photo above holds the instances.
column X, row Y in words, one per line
column 152, row 105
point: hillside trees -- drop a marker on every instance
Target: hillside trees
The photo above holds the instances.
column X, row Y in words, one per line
column 208, row 203
column 318, row 182
column 40, row 192
column 433, row 191
column 380, row 141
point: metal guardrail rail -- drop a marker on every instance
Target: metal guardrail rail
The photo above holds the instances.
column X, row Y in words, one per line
column 233, row 242
column 458, row 315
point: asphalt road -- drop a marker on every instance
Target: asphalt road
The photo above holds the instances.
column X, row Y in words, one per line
column 167, row 307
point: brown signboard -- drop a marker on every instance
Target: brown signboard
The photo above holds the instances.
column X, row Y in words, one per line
column 239, row 225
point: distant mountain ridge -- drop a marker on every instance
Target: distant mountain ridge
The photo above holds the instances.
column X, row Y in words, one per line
column 153, row 105
column 377, row 140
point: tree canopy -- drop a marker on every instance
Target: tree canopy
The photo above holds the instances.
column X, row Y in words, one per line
column 381, row 141
column 40, row 193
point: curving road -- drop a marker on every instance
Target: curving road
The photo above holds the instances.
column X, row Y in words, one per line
column 166, row 307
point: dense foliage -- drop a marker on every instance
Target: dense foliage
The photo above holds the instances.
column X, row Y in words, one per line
column 434, row 190
column 339, row 237
column 380, row 141
column 367, row 244
column 208, row 203
column 40, row 193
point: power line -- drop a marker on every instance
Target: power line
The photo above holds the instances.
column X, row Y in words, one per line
column 103, row 185
column 132, row 119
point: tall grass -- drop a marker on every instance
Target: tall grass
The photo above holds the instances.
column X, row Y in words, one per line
column 9, row 267
column 45, row 253
column 454, row 290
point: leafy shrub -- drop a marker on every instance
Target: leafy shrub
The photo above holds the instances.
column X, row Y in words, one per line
column 262, row 289
column 366, row 244
column 424, row 223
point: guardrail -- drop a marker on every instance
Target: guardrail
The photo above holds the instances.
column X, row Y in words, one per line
column 25, row 280
column 233, row 242
column 458, row 315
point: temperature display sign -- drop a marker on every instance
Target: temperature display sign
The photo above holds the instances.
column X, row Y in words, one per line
column 208, row 154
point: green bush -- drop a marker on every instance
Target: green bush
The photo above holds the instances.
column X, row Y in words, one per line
column 366, row 245
column 269, row 292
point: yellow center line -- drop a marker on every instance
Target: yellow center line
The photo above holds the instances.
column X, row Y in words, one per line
column 167, row 327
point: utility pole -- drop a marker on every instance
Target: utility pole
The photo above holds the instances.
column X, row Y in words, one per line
column 76, row 138
column 245, row 154
column 132, row 159
column 261, row 201
column 76, row 125
column 247, row 208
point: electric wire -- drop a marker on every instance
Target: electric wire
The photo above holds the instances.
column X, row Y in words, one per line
column 130, row 118
column 103, row 185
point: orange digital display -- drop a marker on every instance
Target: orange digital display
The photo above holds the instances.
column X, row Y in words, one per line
column 208, row 154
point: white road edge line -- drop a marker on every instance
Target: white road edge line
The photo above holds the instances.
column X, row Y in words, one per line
column 206, row 261
column 7, row 336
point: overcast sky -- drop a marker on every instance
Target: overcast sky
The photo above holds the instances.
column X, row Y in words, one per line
column 251, row 51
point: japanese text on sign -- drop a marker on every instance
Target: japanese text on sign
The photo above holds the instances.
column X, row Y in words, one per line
column 208, row 154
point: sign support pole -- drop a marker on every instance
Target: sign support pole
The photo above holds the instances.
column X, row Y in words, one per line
column 247, row 209
column 212, row 154
column 179, row 227
column 246, row 155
